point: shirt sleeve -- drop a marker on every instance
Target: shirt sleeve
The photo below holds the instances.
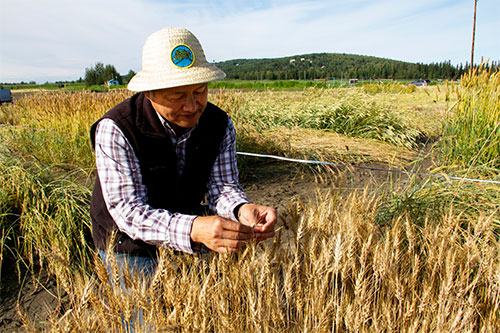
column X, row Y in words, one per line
column 224, row 191
column 125, row 194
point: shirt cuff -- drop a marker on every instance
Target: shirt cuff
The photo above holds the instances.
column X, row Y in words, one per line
column 179, row 234
column 236, row 207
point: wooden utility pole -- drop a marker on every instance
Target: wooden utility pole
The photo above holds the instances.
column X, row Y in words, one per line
column 473, row 37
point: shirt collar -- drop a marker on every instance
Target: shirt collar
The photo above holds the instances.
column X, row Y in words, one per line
column 171, row 131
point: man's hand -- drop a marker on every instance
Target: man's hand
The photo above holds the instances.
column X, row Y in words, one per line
column 261, row 218
column 221, row 235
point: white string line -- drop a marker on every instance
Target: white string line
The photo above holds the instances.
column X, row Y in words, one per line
column 307, row 161
column 369, row 168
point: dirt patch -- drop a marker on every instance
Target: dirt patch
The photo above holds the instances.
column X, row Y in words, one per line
column 277, row 183
column 37, row 296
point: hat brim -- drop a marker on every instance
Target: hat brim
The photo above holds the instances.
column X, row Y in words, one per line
column 146, row 80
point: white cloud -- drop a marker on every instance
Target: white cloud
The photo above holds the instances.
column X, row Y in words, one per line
column 57, row 38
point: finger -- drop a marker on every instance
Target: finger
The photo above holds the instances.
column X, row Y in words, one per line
column 235, row 235
column 269, row 214
column 261, row 219
column 235, row 226
column 250, row 214
column 266, row 225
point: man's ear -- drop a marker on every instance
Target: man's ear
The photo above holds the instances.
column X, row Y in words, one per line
column 147, row 94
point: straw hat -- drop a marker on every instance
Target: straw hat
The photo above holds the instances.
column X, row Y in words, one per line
column 173, row 57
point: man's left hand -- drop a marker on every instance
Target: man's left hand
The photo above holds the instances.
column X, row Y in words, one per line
column 261, row 218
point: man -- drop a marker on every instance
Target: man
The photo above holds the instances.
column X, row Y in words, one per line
column 160, row 152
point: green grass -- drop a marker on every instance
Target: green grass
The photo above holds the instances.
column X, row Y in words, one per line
column 370, row 85
column 349, row 113
column 471, row 134
column 46, row 86
column 60, row 87
column 432, row 199
column 44, row 213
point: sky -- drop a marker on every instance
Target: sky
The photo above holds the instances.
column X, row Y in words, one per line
column 55, row 40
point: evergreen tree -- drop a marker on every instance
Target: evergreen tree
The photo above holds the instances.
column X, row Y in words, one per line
column 323, row 65
column 129, row 76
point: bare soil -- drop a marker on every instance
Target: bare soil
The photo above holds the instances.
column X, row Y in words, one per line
column 35, row 296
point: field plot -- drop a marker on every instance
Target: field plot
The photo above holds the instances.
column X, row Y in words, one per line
column 356, row 249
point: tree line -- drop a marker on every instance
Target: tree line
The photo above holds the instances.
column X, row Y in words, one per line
column 99, row 74
column 333, row 65
column 311, row 67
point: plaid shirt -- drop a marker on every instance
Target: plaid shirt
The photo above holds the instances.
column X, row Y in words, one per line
column 126, row 196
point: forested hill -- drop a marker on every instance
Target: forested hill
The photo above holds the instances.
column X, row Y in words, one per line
column 335, row 65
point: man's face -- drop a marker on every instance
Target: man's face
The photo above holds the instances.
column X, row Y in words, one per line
column 181, row 106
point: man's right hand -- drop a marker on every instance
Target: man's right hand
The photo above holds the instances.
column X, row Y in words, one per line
column 219, row 234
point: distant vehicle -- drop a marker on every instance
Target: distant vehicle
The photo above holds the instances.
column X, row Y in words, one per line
column 419, row 82
column 5, row 96
column 113, row 82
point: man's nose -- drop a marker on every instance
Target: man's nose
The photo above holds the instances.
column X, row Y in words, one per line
column 189, row 103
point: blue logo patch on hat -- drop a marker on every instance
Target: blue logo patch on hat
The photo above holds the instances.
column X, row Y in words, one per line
column 182, row 56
